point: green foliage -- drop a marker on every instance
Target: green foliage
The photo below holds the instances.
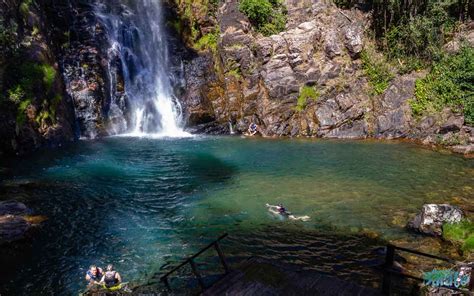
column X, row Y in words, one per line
column 258, row 11
column 25, row 7
column 49, row 75
column 235, row 73
column 21, row 114
column 276, row 25
column 377, row 70
column 7, row 35
column 412, row 33
column 462, row 233
column 208, row 41
column 16, row 94
column 233, row 68
column 27, row 81
column 306, row 93
column 177, row 25
column 450, row 83
column 420, row 37
column 268, row 17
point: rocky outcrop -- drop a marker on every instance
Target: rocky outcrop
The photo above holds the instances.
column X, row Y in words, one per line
column 35, row 109
column 259, row 80
column 261, row 77
column 93, row 74
column 432, row 217
column 13, row 225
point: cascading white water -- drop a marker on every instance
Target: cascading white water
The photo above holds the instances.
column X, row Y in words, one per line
column 136, row 33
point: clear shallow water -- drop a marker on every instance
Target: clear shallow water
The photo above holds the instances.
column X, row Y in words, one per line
column 141, row 203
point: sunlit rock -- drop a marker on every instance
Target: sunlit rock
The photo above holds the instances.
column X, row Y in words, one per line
column 432, row 217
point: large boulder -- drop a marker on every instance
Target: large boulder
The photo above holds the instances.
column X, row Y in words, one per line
column 432, row 217
column 12, row 228
column 13, row 224
column 11, row 207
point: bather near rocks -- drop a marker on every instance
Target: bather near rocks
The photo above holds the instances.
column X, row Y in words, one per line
column 432, row 217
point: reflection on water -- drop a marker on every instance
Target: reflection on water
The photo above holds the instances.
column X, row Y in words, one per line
column 141, row 203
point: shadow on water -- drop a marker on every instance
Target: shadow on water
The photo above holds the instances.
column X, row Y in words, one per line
column 354, row 258
column 104, row 205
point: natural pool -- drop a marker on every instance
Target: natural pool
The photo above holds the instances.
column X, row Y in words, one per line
column 141, row 203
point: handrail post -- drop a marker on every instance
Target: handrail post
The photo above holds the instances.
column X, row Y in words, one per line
column 389, row 258
column 196, row 273
column 221, row 257
column 167, row 284
column 471, row 279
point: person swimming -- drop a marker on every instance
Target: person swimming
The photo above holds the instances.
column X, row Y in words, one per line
column 111, row 278
column 94, row 275
column 281, row 210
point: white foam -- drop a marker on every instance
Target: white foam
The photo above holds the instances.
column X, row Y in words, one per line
column 162, row 135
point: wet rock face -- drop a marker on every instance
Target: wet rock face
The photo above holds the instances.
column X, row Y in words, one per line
column 393, row 112
column 86, row 63
column 48, row 119
column 432, row 217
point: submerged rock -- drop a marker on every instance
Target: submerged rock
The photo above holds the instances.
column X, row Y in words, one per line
column 15, row 220
column 432, row 217
column 11, row 207
column 12, row 228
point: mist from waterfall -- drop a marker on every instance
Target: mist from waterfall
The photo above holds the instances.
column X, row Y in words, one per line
column 137, row 37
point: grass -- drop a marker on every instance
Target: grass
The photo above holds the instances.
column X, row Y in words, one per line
column 377, row 71
column 21, row 114
column 235, row 73
column 49, row 75
column 461, row 233
column 208, row 41
column 306, row 93
column 450, row 83
column 25, row 7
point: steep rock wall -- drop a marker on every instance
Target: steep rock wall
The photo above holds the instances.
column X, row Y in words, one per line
column 35, row 109
column 251, row 78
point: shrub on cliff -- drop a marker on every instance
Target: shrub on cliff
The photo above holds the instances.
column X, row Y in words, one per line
column 377, row 70
column 268, row 17
column 450, row 83
column 306, row 93
column 28, row 80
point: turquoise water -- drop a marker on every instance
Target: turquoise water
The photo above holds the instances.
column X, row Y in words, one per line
column 142, row 203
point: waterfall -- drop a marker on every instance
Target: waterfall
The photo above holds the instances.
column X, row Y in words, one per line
column 136, row 37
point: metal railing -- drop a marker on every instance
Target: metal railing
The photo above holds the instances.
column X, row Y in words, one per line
column 194, row 268
column 388, row 270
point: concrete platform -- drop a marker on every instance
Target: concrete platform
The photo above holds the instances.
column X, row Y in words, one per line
column 261, row 277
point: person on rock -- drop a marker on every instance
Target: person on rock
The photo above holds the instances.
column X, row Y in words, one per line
column 94, row 275
column 253, row 129
column 111, row 278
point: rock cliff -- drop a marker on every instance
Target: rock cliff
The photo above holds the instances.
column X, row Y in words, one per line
column 35, row 109
column 252, row 78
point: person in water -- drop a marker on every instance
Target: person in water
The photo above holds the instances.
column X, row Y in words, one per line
column 94, row 275
column 111, row 278
column 281, row 210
